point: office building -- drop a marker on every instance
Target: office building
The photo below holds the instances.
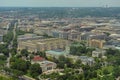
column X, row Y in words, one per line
column 96, row 43
column 42, row 44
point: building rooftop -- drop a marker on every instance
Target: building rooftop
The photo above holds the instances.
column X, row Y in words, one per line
column 57, row 52
column 38, row 58
column 86, row 58
column 46, row 63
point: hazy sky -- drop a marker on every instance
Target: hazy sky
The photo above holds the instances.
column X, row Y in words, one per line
column 60, row 3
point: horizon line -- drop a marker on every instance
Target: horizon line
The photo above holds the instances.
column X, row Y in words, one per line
column 59, row 7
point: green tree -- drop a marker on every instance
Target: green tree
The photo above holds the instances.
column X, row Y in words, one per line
column 20, row 65
column 77, row 64
column 105, row 71
column 111, row 51
column 3, row 57
column 42, row 54
column 17, row 73
column 8, row 37
column 35, row 70
column 24, row 52
column 116, row 71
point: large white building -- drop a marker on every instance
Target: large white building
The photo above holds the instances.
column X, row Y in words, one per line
column 42, row 44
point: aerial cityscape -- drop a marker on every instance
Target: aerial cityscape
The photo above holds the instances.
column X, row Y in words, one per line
column 59, row 42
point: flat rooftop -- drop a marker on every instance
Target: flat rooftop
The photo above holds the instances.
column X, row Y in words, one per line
column 56, row 52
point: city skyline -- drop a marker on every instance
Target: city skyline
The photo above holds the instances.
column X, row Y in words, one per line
column 59, row 3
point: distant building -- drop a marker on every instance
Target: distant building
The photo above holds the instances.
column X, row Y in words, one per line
column 63, row 34
column 43, row 30
column 69, row 34
column 115, row 36
column 96, row 43
column 86, row 28
column 26, row 37
column 74, row 35
column 113, row 42
column 100, row 36
column 55, row 33
column 86, row 35
column 25, row 27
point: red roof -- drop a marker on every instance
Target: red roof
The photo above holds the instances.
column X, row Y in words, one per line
column 38, row 58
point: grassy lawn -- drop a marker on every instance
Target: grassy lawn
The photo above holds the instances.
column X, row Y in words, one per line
column 3, row 77
column 28, row 74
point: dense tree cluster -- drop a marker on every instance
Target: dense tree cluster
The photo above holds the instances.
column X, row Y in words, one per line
column 42, row 54
column 4, row 49
column 62, row 61
column 8, row 37
column 79, row 49
column 20, row 66
column 35, row 70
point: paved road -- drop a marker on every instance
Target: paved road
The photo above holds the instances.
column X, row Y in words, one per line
column 10, row 46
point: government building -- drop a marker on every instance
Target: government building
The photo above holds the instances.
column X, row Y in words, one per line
column 42, row 44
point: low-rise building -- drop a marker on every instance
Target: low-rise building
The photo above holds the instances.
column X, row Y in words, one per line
column 98, row 53
column 37, row 59
column 44, row 64
column 87, row 60
column 26, row 37
column 56, row 53
column 47, row 65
